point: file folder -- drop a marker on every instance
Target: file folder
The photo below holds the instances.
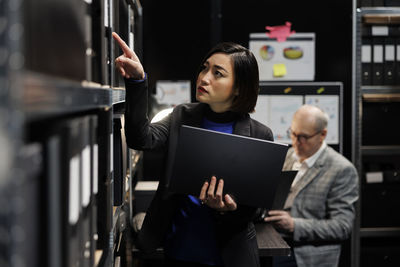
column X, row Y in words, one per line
column 366, row 31
column 377, row 64
column 104, row 196
column 53, row 179
column 61, row 236
column 397, row 61
column 85, row 235
column 99, row 55
column 94, row 184
column 27, row 194
column 394, row 30
column 366, row 59
column 71, row 196
column 118, row 157
column 125, row 156
column 389, row 64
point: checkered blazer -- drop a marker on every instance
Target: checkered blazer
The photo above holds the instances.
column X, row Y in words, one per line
column 322, row 205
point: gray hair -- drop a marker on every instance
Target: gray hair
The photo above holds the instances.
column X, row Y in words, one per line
column 321, row 120
column 319, row 117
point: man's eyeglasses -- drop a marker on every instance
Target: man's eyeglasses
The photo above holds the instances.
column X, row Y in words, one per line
column 301, row 138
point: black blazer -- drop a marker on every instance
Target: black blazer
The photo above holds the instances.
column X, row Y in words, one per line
column 235, row 230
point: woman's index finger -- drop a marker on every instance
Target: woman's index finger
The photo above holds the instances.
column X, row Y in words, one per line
column 125, row 48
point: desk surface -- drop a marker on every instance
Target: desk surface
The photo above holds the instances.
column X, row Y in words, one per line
column 269, row 241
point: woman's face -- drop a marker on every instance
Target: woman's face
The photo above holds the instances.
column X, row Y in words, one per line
column 214, row 84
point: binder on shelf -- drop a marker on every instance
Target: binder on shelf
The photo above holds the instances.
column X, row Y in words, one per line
column 85, row 235
column 104, row 196
column 366, row 31
column 121, row 16
column 131, row 30
column 394, row 30
column 25, row 242
column 118, row 162
column 94, row 148
column 61, row 181
column 54, row 195
column 366, row 59
column 71, row 198
column 389, row 64
column 88, row 41
column 99, row 69
column 377, row 62
column 125, row 157
column 397, row 61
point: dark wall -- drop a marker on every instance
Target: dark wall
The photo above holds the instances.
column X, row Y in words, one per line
column 330, row 20
column 177, row 34
column 176, row 38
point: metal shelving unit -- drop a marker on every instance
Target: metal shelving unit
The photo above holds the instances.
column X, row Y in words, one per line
column 45, row 96
column 33, row 103
column 368, row 238
column 380, row 232
column 380, row 150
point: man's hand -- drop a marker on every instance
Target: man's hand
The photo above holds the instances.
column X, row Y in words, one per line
column 213, row 198
column 128, row 64
column 281, row 219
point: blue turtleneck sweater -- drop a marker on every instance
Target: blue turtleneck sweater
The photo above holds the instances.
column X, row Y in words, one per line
column 192, row 235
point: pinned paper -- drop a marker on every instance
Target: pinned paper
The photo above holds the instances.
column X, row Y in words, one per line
column 280, row 32
column 279, row 70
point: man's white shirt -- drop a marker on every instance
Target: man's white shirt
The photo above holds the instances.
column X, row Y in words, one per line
column 302, row 167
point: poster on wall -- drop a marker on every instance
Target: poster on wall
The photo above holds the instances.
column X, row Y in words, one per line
column 278, row 101
column 276, row 111
column 261, row 112
column 330, row 105
column 291, row 60
column 172, row 93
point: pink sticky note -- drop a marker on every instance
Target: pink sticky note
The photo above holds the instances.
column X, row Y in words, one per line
column 280, row 32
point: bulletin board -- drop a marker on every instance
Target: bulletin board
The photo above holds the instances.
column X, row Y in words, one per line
column 289, row 60
column 278, row 101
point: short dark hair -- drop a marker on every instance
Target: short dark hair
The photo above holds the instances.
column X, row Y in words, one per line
column 246, row 75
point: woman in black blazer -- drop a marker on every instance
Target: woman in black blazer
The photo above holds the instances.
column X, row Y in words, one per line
column 210, row 229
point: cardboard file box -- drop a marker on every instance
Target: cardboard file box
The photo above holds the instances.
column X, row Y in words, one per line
column 143, row 194
column 291, row 60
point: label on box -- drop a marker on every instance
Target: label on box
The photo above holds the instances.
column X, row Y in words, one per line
column 374, row 177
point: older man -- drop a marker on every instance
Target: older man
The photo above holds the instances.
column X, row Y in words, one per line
column 319, row 210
